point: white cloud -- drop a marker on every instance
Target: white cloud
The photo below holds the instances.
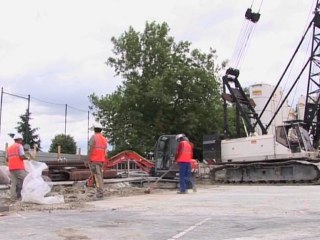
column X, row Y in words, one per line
column 55, row 50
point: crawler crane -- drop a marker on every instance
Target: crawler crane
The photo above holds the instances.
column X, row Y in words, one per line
column 266, row 154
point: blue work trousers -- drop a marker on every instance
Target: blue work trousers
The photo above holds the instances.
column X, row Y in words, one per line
column 184, row 174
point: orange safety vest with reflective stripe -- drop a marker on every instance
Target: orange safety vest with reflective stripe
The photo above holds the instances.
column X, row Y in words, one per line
column 184, row 152
column 14, row 159
column 98, row 148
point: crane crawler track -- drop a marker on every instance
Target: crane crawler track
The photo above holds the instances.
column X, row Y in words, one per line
column 291, row 171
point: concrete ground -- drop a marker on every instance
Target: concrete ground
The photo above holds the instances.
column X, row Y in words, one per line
column 214, row 212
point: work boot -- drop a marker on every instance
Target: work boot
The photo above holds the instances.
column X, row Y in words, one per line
column 99, row 195
column 97, row 198
column 179, row 192
column 15, row 198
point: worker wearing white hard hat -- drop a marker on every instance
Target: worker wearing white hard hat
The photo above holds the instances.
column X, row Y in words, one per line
column 15, row 157
column 180, row 135
column 97, row 157
column 17, row 136
column 183, row 157
column 96, row 125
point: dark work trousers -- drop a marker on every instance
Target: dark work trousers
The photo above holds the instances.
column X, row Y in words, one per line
column 184, row 173
column 17, row 177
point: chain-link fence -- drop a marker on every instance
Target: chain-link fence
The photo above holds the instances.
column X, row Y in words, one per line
column 51, row 119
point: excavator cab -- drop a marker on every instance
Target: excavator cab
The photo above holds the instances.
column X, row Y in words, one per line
column 164, row 154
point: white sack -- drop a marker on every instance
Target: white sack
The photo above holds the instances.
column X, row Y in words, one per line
column 34, row 188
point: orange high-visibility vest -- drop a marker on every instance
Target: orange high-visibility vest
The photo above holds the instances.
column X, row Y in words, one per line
column 14, row 159
column 98, row 149
column 184, row 152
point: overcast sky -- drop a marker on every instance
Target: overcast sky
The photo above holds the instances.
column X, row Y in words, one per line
column 55, row 51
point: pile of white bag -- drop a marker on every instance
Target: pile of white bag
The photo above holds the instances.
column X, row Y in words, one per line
column 34, row 188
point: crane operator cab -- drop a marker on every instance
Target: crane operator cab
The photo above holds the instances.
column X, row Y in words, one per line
column 293, row 136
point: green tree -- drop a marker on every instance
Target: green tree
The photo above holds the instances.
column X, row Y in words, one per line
column 67, row 143
column 29, row 134
column 167, row 89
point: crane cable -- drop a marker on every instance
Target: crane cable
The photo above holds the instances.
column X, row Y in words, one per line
column 247, row 29
column 293, row 97
column 237, row 55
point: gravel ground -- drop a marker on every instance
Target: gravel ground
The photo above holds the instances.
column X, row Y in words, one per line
column 75, row 196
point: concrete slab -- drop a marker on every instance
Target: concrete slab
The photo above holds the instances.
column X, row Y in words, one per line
column 214, row 212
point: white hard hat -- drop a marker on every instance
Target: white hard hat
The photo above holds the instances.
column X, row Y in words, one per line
column 17, row 136
column 97, row 125
column 180, row 135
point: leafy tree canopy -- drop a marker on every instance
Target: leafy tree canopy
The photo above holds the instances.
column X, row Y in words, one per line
column 168, row 88
column 67, row 143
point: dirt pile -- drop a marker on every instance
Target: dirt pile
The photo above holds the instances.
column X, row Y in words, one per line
column 78, row 194
column 75, row 196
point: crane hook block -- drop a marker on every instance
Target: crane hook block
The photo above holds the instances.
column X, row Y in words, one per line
column 251, row 16
column 233, row 72
column 248, row 13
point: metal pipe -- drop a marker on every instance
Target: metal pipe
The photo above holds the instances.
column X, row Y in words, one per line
column 65, row 121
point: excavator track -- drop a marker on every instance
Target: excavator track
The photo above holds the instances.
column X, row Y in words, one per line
column 292, row 171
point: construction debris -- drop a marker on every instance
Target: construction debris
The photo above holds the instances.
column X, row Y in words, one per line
column 4, row 175
column 75, row 196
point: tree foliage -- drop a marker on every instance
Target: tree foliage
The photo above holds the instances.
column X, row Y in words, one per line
column 67, row 143
column 29, row 134
column 168, row 88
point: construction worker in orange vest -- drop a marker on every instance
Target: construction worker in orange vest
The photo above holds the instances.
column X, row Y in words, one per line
column 15, row 157
column 97, row 157
column 183, row 157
